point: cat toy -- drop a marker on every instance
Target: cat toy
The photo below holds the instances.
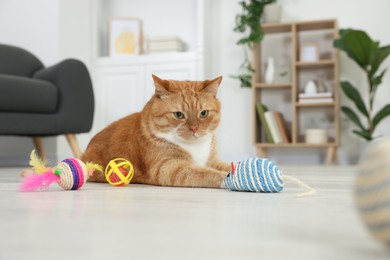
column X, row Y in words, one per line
column 70, row 174
column 260, row 175
column 119, row 172
column 372, row 190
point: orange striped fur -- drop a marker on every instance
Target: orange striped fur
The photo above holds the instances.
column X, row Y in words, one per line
column 167, row 148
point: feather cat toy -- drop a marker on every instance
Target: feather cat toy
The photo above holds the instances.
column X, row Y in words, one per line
column 70, row 174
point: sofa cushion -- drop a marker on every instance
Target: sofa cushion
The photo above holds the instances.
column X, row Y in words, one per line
column 18, row 62
column 21, row 94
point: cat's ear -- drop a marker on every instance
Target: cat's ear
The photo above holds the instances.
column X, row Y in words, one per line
column 211, row 86
column 161, row 86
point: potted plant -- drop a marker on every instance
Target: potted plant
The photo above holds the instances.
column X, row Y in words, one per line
column 369, row 56
column 248, row 23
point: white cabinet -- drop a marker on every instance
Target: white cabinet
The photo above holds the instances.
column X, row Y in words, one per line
column 124, row 86
column 118, row 92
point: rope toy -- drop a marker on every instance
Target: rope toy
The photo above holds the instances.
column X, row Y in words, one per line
column 260, row 175
column 372, row 190
column 119, row 172
column 70, row 174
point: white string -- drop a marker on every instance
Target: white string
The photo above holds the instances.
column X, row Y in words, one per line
column 310, row 191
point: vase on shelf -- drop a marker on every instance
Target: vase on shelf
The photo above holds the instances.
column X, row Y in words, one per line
column 270, row 71
column 311, row 87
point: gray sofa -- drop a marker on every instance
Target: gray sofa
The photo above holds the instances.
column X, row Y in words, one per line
column 37, row 101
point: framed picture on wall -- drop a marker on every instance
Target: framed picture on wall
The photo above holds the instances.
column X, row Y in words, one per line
column 309, row 52
column 125, row 36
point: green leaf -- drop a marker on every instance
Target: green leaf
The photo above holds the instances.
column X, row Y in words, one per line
column 249, row 68
column 365, row 134
column 352, row 93
column 243, row 41
column 358, row 46
column 384, row 112
column 376, row 81
column 245, row 80
column 352, row 116
column 377, row 58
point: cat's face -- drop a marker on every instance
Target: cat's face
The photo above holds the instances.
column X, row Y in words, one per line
column 186, row 111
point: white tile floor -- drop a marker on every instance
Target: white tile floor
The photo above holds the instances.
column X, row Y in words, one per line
column 144, row 222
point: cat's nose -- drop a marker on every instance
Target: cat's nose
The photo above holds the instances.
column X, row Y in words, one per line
column 194, row 128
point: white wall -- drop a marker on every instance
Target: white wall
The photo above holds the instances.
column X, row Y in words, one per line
column 75, row 41
column 32, row 25
column 235, row 135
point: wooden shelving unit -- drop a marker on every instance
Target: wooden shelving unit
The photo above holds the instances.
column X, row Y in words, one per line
column 295, row 31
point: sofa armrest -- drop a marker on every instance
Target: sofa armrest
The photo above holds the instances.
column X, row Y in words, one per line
column 76, row 102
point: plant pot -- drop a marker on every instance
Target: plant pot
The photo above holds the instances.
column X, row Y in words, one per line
column 272, row 13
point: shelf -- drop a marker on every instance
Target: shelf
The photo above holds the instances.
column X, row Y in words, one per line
column 316, row 25
column 276, row 28
column 315, row 64
column 270, row 145
column 287, row 38
column 274, row 85
column 300, row 26
column 327, row 104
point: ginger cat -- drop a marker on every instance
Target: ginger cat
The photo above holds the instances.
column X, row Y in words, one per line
column 171, row 142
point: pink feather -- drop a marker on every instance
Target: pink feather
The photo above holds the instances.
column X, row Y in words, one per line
column 39, row 181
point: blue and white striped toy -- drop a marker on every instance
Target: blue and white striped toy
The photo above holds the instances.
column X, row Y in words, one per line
column 260, row 175
column 255, row 174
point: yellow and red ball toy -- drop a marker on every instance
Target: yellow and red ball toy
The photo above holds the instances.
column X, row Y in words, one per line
column 119, row 172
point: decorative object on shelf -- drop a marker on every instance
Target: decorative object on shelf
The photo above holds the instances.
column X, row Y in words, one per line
column 316, row 136
column 309, row 52
column 371, row 190
column 261, row 109
column 125, row 36
column 70, row 174
column 315, row 98
column 273, row 124
column 272, row 13
column 276, row 124
column 270, row 71
column 282, row 74
column 249, row 21
column 321, row 86
column 369, row 56
column 311, row 87
column 169, row 43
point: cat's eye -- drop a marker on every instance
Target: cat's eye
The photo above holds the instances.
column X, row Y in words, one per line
column 204, row 114
column 179, row 115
